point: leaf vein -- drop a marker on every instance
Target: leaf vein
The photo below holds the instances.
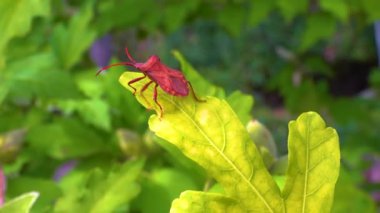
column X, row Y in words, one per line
column 317, row 188
column 324, row 140
column 223, row 132
column 315, row 165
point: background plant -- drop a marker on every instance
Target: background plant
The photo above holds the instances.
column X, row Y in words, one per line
column 294, row 56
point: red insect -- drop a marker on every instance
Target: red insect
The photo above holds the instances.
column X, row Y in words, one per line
column 170, row 80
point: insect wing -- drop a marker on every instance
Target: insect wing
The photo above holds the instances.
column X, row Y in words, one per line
column 170, row 80
column 179, row 85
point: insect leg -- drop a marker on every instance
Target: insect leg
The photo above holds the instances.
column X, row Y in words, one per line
column 143, row 89
column 133, row 81
column 155, row 99
column 193, row 92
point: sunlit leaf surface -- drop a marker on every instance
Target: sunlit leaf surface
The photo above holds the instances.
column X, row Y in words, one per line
column 314, row 161
column 211, row 134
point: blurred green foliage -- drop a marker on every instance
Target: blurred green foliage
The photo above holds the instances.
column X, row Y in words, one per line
column 22, row 203
column 294, row 55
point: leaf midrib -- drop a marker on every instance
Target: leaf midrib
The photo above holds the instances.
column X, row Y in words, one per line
column 307, row 165
column 212, row 143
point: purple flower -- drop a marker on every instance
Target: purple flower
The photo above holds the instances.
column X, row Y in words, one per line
column 3, row 185
column 64, row 169
column 372, row 175
column 101, row 51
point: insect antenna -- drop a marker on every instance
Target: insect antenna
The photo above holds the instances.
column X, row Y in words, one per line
column 129, row 55
column 113, row 65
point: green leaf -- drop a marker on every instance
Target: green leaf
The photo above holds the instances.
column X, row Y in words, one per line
column 180, row 11
column 161, row 188
column 122, row 104
column 319, row 26
column 16, row 18
column 111, row 16
column 292, row 8
column 53, row 84
column 98, row 191
column 47, row 189
column 231, row 18
column 372, row 8
column 65, row 138
column 314, row 161
column 211, row 134
column 152, row 198
column 241, row 104
column 338, row 8
column 216, row 188
column 166, row 177
column 69, row 43
column 93, row 111
column 201, row 86
column 193, row 201
column 374, row 78
column 118, row 189
column 112, row 107
column 4, row 89
column 20, row 204
column 259, row 11
column 314, row 95
column 280, row 180
column 36, row 75
column 151, row 18
column 90, row 85
column 96, row 112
